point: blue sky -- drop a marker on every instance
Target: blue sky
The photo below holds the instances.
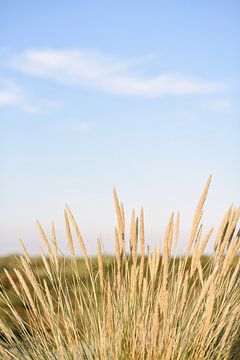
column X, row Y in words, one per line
column 139, row 95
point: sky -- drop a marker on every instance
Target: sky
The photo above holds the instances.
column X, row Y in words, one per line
column 140, row 95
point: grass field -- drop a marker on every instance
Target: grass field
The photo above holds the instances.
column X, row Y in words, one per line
column 10, row 263
column 136, row 304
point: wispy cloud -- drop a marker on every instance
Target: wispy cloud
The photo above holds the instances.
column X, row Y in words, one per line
column 12, row 95
column 93, row 70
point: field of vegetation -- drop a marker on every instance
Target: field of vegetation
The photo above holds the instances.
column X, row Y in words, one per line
column 137, row 304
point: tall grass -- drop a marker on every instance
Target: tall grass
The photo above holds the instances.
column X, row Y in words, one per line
column 137, row 305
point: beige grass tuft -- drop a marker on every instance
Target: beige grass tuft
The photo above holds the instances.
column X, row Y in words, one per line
column 149, row 305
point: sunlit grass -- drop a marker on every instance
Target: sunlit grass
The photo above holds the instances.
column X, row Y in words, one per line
column 133, row 305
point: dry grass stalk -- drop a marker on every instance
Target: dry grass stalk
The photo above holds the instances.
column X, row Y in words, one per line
column 120, row 221
column 209, row 310
column 26, row 289
column 204, row 243
column 198, row 216
column 155, row 327
column 26, row 254
column 109, row 311
column 100, row 264
column 222, row 228
column 141, row 233
column 49, row 297
column 176, row 233
column 233, row 220
column 122, row 217
column 12, row 282
column 166, row 253
column 132, row 232
column 118, row 257
column 195, row 251
column 54, row 244
column 69, row 235
column 165, row 260
column 44, row 238
column 6, row 331
column 29, row 274
column 45, row 262
column 159, row 309
column 79, row 236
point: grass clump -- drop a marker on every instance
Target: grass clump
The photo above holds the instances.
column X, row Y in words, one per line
column 135, row 305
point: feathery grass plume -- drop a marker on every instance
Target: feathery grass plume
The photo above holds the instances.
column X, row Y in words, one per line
column 141, row 233
column 12, row 282
column 198, row 216
column 79, row 236
column 45, row 262
column 54, row 244
column 33, row 281
column 195, row 251
column 109, row 311
column 183, row 295
column 69, row 235
column 49, row 297
column 175, row 242
column 26, row 254
column 235, row 278
column 201, row 297
column 155, row 327
column 224, row 344
column 132, row 232
column 170, row 237
column 228, row 233
column 133, row 239
column 204, row 243
column 165, row 271
column 222, row 230
column 142, row 246
column 209, row 310
column 100, row 264
column 123, row 218
column 154, row 262
column 118, row 258
column 120, row 222
column 166, row 253
column 26, row 290
column 232, row 252
column 126, row 307
column 230, row 229
column 44, row 238
column 176, row 233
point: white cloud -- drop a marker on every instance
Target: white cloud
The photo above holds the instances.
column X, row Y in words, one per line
column 93, row 70
column 12, row 95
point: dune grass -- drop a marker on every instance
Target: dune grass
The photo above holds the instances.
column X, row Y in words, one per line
column 137, row 304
